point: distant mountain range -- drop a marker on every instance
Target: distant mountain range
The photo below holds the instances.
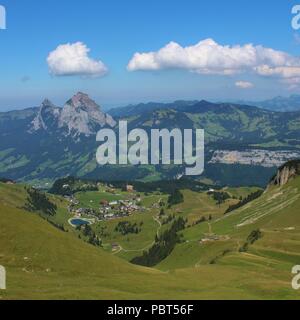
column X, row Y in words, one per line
column 279, row 104
column 46, row 143
column 134, row 109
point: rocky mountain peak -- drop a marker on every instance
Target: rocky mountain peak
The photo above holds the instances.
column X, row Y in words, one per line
column 80, row 116
column 83, row 101
column 47, row 103
column 47, row 115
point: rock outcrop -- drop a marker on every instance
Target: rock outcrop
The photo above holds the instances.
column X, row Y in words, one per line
column 285, row 173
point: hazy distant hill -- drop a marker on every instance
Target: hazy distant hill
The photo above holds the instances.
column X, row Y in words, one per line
column 132, row 110
column 227, row 123
column 281, row 104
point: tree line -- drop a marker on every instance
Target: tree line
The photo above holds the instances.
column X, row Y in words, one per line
column 38, row 201
column 164, row 245
column 176, row 197
column 254, row 236
column 90, row 235
column 125, row 227
column 249, row 198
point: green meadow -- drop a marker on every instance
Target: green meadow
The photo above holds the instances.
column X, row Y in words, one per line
column 44, row 262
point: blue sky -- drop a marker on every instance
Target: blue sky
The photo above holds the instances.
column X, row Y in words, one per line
column 114, row 30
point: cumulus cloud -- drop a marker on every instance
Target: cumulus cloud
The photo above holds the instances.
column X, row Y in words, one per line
column 72, row 59
column 244, row 84
column 209, row 57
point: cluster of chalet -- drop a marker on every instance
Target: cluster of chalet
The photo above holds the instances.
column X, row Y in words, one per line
column 120, row 208
column 108, row 210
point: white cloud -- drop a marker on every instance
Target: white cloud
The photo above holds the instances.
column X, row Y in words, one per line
column 283, row 72
column 244, row 84
column 72, row 59
column 209, row 57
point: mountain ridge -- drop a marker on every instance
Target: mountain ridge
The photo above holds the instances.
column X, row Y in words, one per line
column 276, row 104
column 279, row 103
column 63, row 142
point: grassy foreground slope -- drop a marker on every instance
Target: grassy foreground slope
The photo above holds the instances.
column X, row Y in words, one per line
column 43, row 262
column 276, row 214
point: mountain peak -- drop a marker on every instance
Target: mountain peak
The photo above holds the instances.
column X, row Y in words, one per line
column 47, row 115
column 82, row 101
column 82, row 115
column 47, row 103
column 81, row 94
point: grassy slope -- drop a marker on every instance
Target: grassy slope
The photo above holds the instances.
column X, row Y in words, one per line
column 197, row 205
column 276, row 213
column 43, row 262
